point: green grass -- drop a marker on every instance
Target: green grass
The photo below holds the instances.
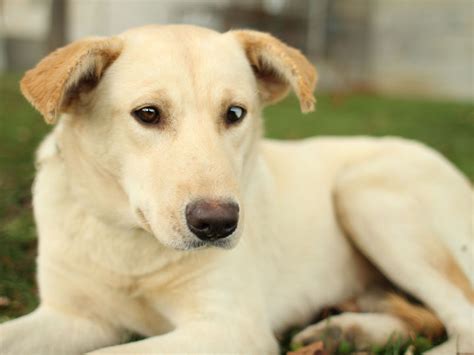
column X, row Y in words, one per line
column 21, row 130
column 446, row 126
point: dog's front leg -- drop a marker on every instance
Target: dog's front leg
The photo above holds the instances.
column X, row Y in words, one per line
column 210, row 336
column 48, row 331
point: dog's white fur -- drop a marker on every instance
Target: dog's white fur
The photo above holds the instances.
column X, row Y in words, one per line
column 116, row 256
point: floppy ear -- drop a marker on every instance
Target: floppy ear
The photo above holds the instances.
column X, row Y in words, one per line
column 278, row 67
column 63, row 75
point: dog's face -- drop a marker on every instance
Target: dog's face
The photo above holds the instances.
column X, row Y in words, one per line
column 162, row 123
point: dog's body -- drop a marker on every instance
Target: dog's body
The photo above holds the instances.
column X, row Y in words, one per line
column 312, row 213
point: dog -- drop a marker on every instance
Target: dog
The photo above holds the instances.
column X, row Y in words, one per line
column 161, row 210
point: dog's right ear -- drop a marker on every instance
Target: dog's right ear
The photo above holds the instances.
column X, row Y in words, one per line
column 58, row 79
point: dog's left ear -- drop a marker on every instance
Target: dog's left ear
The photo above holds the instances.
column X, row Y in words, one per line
column 278, row 67
column 59, row 79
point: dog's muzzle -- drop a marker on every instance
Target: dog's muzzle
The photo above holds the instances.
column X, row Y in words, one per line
column 211, row 220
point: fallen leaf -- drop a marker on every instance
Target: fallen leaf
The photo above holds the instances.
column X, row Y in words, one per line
column 4, row 301
column 312, row 349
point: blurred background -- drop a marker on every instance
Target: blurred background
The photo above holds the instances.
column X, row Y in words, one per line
column 423, row 47
column 387, row 67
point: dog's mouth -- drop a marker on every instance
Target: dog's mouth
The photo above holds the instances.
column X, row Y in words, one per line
column 190, row 242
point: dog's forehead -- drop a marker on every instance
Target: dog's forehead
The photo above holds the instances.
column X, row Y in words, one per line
column 181, row 53
column 165, row 41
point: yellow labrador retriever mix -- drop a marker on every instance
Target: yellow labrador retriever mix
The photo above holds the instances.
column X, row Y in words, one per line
column 162, row 211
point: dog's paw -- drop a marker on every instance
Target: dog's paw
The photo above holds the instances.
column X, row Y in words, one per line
column 353, row 331
column 333, row 336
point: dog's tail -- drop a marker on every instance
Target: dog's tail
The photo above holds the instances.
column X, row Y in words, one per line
column 418, row 318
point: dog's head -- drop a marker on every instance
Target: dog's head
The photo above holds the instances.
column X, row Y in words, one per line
column 161, row 124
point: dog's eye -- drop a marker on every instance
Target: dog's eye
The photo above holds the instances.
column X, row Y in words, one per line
column 149, row 115
column 235, row 114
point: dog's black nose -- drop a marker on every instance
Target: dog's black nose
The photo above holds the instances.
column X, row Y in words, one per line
column 211, row 220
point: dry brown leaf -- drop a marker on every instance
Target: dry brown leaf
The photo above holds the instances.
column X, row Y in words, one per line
column 311, row 349
column 4, row 301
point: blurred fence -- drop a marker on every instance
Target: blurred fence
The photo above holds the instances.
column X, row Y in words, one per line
column 402, row 47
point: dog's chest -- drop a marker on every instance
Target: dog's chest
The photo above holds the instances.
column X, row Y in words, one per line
column 322, row 269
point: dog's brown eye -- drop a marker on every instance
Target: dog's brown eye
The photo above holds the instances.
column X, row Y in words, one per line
column 149, row 115
column 235, row 114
